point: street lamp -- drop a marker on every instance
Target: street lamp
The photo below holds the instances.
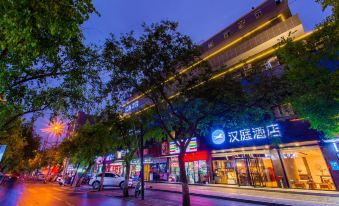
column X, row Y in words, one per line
column 55, row 128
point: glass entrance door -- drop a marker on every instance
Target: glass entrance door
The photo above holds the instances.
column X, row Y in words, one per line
column 256, row 168
column 255, row 171
column 243, row 175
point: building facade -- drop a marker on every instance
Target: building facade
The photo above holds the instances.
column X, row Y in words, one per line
column 286, row 153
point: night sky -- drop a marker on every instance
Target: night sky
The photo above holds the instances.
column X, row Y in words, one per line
column 199, row 19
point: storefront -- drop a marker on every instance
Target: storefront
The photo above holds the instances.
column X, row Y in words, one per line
column 306, row 167
column 285, row 156
column 115, row 167
column 136, row 168
column 195, row 166
column 245, row 168
column 158, row 169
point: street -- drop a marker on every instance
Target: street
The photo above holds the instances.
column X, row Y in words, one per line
column 38, row 194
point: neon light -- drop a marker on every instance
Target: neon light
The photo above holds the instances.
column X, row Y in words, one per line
column 281, row 16
column 192, row 147
column 195, row 156
column 247, row 135
column 335, row 147
column 218, row 136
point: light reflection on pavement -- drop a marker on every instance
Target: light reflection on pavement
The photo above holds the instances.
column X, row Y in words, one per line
column 38, row 194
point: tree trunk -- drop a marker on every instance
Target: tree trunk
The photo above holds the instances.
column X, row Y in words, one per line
column 76, row 173
column 103, row 174
column 125, row 188
column 183, row 178
column 83, row 174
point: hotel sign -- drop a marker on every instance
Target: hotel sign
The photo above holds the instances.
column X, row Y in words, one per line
column 244, row 135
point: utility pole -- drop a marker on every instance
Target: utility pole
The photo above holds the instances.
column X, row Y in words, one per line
column 142, row 162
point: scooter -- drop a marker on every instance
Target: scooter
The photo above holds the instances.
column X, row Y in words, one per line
column 61, row 181
column 137, row 191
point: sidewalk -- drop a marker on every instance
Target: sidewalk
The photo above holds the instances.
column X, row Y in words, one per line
column 259, row 195
column 329, row 193
column 157, row 198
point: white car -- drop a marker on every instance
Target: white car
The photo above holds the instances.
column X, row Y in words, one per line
column 110, row 179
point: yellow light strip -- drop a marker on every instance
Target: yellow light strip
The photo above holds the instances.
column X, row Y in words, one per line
column 281, row 16
column 259, row 56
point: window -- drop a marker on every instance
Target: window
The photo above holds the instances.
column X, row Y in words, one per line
column 227, row 34
column 277, row 2
column 241, row 24
column 306, row 168
column 109, row 175
column 247, row 69
column 210, row 44
column 271, row 63
column 283, row 111
column 257, row 14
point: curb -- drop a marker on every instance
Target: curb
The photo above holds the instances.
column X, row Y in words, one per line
column 226, row 198
column 264, row 190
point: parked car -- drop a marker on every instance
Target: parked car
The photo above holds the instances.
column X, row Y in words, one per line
column 110, row 179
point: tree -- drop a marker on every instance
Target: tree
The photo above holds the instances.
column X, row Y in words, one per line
column 88, row 142
column 312, row 76
column 128, row 134
column 126, row 138
column 22, row 145
column 43, row 61
column 164, row 68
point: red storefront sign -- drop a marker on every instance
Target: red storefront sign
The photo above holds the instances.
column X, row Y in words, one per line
column 115, row 168
column 194, row 156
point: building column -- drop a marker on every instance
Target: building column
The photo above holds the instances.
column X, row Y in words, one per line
column 279, row 169
column 331, row 156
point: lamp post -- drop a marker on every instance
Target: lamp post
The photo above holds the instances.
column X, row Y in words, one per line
column 55, row 128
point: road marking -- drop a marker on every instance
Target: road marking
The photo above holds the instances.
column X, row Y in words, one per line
column 69, row 204
column 56, row 198
column 58, row 189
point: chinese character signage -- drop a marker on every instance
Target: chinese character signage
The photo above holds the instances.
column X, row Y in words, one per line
column 132, row 106
column 248, row 134
column 192, row 147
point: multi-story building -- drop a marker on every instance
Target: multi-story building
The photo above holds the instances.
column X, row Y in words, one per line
column 249, row 156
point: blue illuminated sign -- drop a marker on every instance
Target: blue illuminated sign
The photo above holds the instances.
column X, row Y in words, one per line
column 334, row 165
column 249, row 134
column 218, row 136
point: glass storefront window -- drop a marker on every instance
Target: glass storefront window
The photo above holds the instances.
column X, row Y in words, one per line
column 196, row 171
column 224, row 172
column 158, row 172
column 245, row 170
column 174, row 170
column 306, row 168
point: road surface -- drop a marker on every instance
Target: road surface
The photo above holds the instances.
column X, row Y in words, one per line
column 38, row 194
